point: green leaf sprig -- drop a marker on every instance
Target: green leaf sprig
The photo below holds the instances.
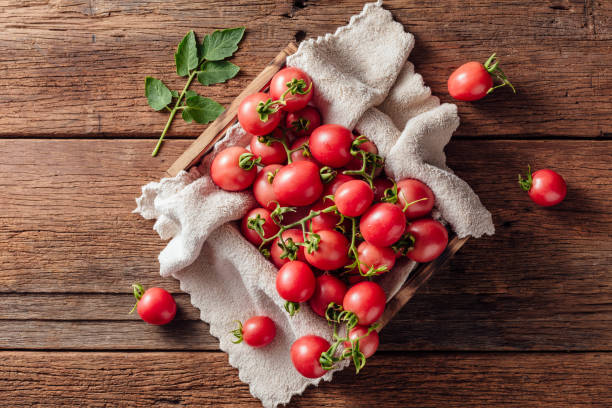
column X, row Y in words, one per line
column 204, row 61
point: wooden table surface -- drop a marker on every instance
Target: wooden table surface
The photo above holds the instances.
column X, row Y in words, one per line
column 523, row 318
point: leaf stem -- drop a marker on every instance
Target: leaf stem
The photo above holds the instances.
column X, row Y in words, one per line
column 173, row 113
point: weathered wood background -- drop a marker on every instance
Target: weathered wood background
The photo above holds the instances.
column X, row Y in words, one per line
column 523, row 318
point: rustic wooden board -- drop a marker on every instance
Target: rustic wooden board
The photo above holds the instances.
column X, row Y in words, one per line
column 82, row 64
column 68, row 256
column 389, row 380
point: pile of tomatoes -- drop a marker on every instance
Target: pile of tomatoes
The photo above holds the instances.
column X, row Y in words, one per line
column 328, row 219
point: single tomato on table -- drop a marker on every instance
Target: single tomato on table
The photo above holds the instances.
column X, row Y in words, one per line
column 545, row 187
column 155, row 305
column 473, row 80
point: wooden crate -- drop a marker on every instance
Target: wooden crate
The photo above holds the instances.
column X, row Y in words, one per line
column 216, row 131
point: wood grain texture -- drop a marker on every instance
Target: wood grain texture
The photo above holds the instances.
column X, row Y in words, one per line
column 82, row 63
column 70, row 249
column 389, row 380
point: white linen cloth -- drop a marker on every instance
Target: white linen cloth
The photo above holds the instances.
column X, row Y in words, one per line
column 363, row 81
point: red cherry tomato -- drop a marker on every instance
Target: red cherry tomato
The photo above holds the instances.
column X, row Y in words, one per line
column 383, row 224
column 430, row 239
column 325, row 221
column 300, row 90
column 296, row 236
column 367, row 300
column 272, row 153
column 305, row 354
column 298, row 184
column 353, row 198
column 371, row 256
column 332, row 252
column 469, row 82
column 259, row 331
column 295, row 282
column 380, row 185
column 545, row 187
column 328, row 289
column 304, row 121
column 269, row 227
column 331, row 187
column 411, row 190
column 155, row 305
column 473, row 80
column 226, row 172
column 303, row 154
column 330, row 145
column 367, row 344
column 250, row 119
column 262, row 186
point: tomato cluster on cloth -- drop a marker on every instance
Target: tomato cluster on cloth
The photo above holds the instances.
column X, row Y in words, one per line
column 328, row 218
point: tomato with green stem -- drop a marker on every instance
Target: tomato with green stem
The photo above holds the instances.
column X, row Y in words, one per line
column 291, row 237
column 331, row 250
column 473, row 80
column 331, row 144
column 328, row 289
column 323, row 221
column 305, row 354
column 295, row 283
column 367, row 342
column 269, row 150
column 256, row 224
column 233, row 169
column 545, row 187
column 258, row 114
column 353, row 198
column 380, row 185
column 382, row 224
column 357, row 161
column 257, row 331
column 372, row 257
column 292, row 87
column 300, row 151
column 366, row 300
column 304, row 121
column 331, row 187
column 430, row 240
column 262, row 186
column 155, row 305
column 415, row 198
column 298, row 184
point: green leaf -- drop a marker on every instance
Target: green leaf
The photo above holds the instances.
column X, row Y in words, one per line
column 222, row 43
column 201, row 110
column 158, row 95
column 175, row 94
column 186, row 56
column 216, row 72
column 190, row 93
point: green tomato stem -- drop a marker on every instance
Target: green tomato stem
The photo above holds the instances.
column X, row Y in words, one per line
column 173, row 113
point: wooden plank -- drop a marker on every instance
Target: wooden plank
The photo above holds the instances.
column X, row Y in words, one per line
column 388, row 380
column 216, row 130
column 83, row 65
column 542, row 282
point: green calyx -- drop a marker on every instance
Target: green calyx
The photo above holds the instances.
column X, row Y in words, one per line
column 238, row 333
column 292, row 308
column 247, row 161
column 527, row 182
column 138, row 293
column 267, row 108
column 300, row 125
column 492, row 67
